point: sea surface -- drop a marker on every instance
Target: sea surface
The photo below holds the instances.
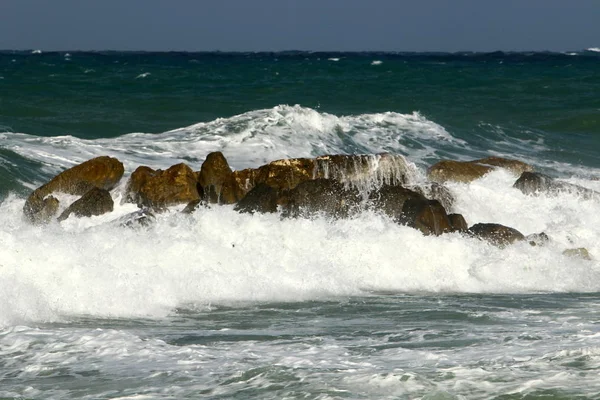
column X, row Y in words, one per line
column 224, row 305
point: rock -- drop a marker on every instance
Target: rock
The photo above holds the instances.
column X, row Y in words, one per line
column 321, row 196
column 40, row 210
column 138, row 219
column 262, row 198
column 435, row 191
column 496, row 234
column 217, row 181
column 537, row 239
column 428, row 216
column 514, row 166
column 468, row 171
column 458, row 223
column 580, row 252
column 457, row 171
column 390, row 199
column 102, row 172
column 364, row 171
column 285, row 174
column 96, row 201
column 192, row 206
column 535, row 183
column 157, row 189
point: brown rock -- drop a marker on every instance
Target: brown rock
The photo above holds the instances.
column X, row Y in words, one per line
column 363, row 171
column 515, row 166
column 102, row 172
column 94, row 202
column 457, row 171
column 217, row 181
column 435, row 191
column 156, row 189
column 458, row 223
column 468, row 171
column 428, row 216
column 286, row 174
column 496, row 234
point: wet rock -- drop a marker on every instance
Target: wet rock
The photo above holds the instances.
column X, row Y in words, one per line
column 537, row 239
column 515, row 166
column 192, row 206
column 496, row 234
column 157, row 188
column 435, row 191
column 286, row 174
column 534, row 183
column 364, row 171
column 262, row 198
column 40, row 210
column 456, row 171
column 102, row 172
column 96, row 201
column 321, row 196
column 428, row 216
column 217, row 181
column 468, row 171
column 580, row 252
column 390, row 200
column 138, row 219
column 458, row 223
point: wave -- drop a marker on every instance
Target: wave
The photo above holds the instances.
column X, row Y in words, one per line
column 594, row 49
column 247, row 140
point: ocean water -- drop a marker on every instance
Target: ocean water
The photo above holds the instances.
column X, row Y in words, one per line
column 218, row 304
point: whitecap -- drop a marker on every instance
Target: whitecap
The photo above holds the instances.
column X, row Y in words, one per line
column 377, row 62
column 36, row 52
column 333, row 59
column 594, row 49
column 144, row 75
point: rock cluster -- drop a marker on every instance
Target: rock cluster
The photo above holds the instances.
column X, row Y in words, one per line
column 337, row 186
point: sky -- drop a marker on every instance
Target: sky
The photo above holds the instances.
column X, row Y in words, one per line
column 314, row 25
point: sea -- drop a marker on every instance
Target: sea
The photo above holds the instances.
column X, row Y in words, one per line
column 222, row 305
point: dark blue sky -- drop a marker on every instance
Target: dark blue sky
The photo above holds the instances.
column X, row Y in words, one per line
column 342, row 25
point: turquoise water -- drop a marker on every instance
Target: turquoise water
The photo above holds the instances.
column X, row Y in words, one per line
column 225, row 305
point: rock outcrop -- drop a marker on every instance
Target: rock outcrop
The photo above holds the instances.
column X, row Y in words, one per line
column 390, row 200
column 157, row 188
column 217, row 181
column 95, row 201
column 101, row 172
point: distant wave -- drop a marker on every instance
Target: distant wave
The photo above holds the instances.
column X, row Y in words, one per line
column 594, row 49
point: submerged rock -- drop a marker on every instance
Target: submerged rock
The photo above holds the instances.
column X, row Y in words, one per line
column 534, row 183
column 95, row 201
column 101, row 172
column 496, row 234
column 537, row 239
column 580, row 252
column 515, row 166
column 137, row 219
column 157, row 188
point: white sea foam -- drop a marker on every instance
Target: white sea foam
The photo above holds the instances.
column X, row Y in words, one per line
column 144, row 75
column 377, row 62
column 333, row 59
column 92, row 266
column 36, row 52
column 594, row 49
